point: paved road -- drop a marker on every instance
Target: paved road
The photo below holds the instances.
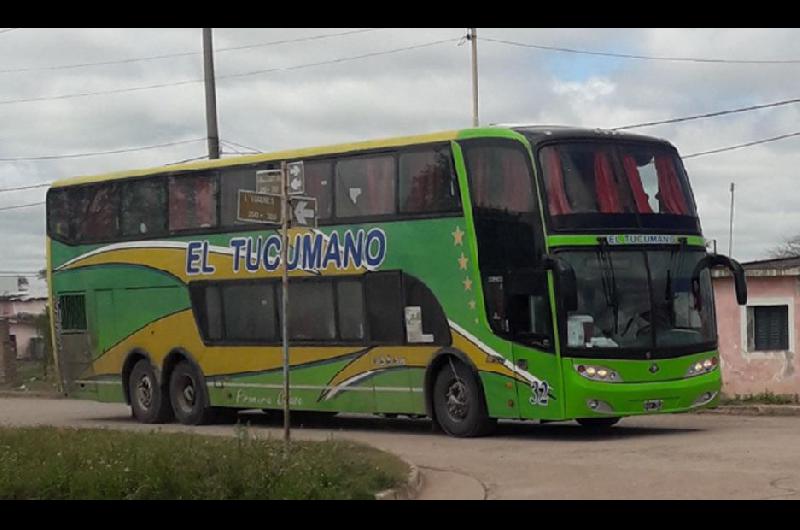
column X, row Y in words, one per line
column 690, row 456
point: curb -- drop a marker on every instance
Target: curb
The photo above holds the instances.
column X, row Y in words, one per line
column 406, row 492
column 32, row 394
column 754, row 410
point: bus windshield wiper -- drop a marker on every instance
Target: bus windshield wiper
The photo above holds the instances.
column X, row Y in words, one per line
column 609, row 280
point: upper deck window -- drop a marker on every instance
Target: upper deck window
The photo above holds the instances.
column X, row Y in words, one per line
column 427, row 182
column 144, row 207
column 500, row 178
column 192, row 202
column 606, row 185
column 365, row 186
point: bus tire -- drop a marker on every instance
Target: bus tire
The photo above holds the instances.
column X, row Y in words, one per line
column 597, row 424
column 458, row 402
column 188, row 396
column 149, row 404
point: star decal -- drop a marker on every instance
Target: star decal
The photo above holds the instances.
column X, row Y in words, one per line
column 467, row 284
column 458, row 236
column 471, row 304
column 462, row 262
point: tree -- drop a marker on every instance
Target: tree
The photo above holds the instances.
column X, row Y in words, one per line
column 788, row 249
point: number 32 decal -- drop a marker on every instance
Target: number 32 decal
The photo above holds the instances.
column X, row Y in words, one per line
column 539, row 391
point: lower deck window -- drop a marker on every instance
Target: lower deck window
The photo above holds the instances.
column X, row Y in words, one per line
column 353, row 309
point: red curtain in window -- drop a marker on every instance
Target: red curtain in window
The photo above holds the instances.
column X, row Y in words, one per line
column 635, row 181
column 379, row 197
column 669, row 188
column 516, row 184
column 206, row 208
column 605, row 187
column 557, row 197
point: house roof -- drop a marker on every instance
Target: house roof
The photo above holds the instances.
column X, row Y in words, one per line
column 767, row 267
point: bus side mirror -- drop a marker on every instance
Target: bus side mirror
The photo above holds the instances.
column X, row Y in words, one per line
column 718, row 260
column 566, row 283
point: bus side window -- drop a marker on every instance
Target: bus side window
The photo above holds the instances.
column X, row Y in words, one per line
column 144, row 207
column 97, row 218
column 427, row 182
column 365, row 186
column 58, row 213
column 384, row 307
column 232, row 180
column 192, row 202
column 319, row 184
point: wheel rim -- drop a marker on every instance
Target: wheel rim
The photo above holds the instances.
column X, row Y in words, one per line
column 186, row 396
column 457, row 400
column 144, row 392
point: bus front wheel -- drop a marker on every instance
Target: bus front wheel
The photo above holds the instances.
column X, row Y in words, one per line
column 188, row 395
column 458, row 402
column 149, row 403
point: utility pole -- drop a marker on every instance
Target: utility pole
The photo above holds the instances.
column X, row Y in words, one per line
column 473, row 36
column 730, row 229
column 211, row 95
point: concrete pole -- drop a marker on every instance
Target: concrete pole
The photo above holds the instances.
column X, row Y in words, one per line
column 211, row 95
column 474, row 39
column 730, row 228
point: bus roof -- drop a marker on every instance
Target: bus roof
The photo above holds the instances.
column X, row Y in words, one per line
column 265, row 157
column 534, row 133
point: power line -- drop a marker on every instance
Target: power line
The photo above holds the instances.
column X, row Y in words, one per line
column 98, row 153
column 229, row 76
column 186, row 54
column 643, row 57
column 740, row 146
column 20, row 188
column 710, row 114
column 6, row 208
column 234, row 144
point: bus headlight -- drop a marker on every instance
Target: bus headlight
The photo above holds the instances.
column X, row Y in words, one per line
column 598, row 373
column 702, row 367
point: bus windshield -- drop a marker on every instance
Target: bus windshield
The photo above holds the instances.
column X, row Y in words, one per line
column 636, row 301
column 619, row 185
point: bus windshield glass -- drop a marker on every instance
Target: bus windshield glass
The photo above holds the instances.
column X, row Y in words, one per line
column 616, row 185
column 640, row 302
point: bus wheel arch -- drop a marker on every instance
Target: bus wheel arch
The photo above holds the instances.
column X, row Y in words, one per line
column 143, row 387
column 171, row 361
column 133, row 357
column 440, row 361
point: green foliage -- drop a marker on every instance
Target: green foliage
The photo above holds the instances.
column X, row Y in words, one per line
column 53, row 463
column 763, row 398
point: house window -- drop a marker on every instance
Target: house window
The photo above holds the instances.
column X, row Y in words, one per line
column 768, row 328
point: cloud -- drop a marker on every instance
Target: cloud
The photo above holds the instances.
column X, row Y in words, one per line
column 408, row 92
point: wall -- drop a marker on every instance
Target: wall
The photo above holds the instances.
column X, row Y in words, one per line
column 745, row 372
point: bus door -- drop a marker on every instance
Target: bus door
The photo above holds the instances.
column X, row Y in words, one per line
column 530, row 328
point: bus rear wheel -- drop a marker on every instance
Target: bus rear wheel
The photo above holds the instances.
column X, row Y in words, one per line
column 458, row 402
column 149, row 403
column 188, row 395
column 597, row 423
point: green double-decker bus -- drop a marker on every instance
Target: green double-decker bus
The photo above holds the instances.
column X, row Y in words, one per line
column 530, row 273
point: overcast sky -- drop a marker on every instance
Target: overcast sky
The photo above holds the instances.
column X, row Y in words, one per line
column 420, row 90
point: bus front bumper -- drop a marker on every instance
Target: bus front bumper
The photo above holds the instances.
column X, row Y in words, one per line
column 594, row 399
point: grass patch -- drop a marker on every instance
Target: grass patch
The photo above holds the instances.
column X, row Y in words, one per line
column 55, row 463
column 33, row 376
column 763, row 398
